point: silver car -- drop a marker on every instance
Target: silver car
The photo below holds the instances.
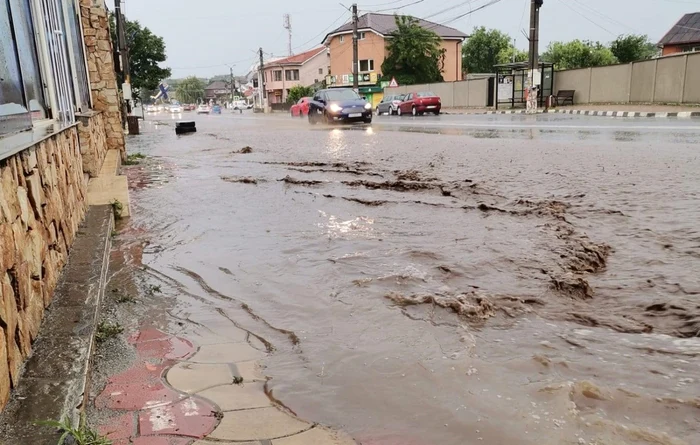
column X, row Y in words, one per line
column 389, row 105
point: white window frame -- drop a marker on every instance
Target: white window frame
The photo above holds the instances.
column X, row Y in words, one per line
column 361, row 35
column 73, row 56
column 341, row 39
column 370, row 66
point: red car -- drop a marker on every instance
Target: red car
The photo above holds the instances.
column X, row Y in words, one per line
column 419, row 103
column 301, row 108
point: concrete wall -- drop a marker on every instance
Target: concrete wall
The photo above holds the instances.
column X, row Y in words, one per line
column 579, row 80
column 93, row 141
column 610, row 83
column 467, row 93
column 642, row 86
column 691, row 90
column 100, row 63
column 670, row 72
column 42, row 201
column 672, row 79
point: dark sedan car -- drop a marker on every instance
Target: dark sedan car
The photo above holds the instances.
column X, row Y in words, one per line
column 339, row 105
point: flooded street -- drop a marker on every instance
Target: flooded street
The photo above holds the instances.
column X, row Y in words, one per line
column 446, row 280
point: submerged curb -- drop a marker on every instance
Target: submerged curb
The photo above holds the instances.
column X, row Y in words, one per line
column 670, row 114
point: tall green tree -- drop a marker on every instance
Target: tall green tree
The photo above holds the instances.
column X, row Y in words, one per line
column 578, row 54
column 146, row 52
column 488, row 47
column 414, row 53
column 631, row 47
column 190, row 90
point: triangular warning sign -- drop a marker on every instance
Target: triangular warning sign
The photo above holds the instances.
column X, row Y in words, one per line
column 393, row 83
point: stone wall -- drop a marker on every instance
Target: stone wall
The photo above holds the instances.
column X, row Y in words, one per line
column 93, row 141
column 42, row 201
column 100, row 61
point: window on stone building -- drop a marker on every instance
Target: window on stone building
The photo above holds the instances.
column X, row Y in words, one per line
column 291, row 75
column 278, row 76
column 21, row 92
column 77, row 55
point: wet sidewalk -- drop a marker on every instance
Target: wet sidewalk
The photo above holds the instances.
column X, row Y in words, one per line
column 214, row 392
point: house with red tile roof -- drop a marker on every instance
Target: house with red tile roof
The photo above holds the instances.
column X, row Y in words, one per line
column 306, row 69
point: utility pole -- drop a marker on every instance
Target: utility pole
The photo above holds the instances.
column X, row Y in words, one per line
column 534, row 74
column 288, row 27
column 355, row 62
column 123, row 57
column 231, row 103
column 261, row 81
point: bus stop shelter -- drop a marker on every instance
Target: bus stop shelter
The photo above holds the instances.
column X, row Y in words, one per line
column 512, row 84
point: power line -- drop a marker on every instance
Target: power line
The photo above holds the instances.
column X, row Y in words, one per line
column 472, row 11
column 400, row 7
column 585, row 17
column 382, row 4
column 606, row 17
column 448, row 9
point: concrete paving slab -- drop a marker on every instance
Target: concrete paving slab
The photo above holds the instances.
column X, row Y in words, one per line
column 257, row 424
column 316, row 436
column 226, row 353
column 250, row 371
column 219, row 442
column 236, row 397
column 192, row 417
column 192, row 377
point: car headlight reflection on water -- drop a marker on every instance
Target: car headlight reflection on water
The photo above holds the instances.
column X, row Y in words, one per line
column 335, row 108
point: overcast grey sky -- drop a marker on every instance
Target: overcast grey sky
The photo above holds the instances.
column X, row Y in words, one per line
column 203, row 35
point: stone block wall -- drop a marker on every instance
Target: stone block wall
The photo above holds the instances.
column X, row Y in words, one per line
column 42, row 202
column 100, row 61
column 93, row 141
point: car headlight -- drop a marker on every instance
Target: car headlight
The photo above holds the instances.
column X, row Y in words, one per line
column 368, row 106
column 335, row 108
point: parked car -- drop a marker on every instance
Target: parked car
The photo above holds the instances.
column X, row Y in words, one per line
column 300, row 108
column 339, row 105
column 189, row 107
column 203, row 109
column 419, row 103
column 216, row 109
column 389, row 105
column 175, row 109
column 151, row 109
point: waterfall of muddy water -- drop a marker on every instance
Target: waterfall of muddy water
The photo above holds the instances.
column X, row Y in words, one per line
column 449, row 287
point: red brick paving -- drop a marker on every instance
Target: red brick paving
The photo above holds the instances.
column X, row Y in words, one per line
column 161, row 410
column 192, row 417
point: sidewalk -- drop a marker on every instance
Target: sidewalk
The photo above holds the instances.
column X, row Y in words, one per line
column 177, row 393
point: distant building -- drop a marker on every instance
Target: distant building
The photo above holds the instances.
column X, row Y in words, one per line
column 217, row 91
column 374, row 29
column 306, row 69
column 684, row 37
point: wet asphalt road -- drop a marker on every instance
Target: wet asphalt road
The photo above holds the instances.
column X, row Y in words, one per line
column 429, row 280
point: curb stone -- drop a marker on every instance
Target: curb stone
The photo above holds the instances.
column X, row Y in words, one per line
column 670, row 114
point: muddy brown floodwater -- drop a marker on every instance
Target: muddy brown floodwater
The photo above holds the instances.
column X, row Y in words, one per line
column 427, row 286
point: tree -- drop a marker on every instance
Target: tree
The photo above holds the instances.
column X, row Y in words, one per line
column 146, row 51
column 631, row 47
column 297, row 92
column 578, row 54
column 190, row 90
column 414, row 53
column 488, row 47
